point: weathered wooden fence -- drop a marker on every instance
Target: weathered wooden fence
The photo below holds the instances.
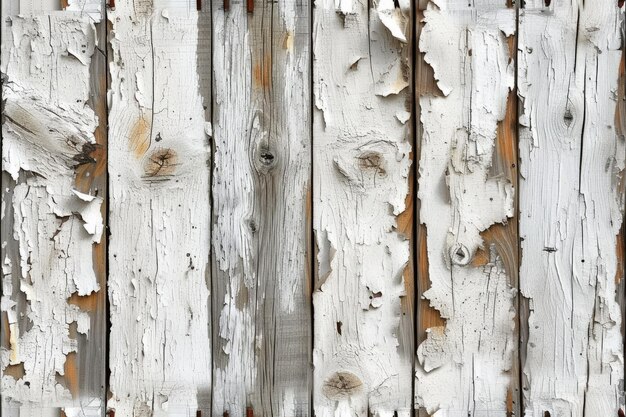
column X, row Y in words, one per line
column 297, row 207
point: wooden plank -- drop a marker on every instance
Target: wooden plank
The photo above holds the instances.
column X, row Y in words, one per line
column 54, row 183
column 363, row 297
column 160, row 344
column 467, row 237
column 261, row 220
column 571, row 206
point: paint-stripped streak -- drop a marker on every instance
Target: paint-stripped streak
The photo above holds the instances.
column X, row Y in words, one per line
column 571, row 205
column 160, row 356
column 363, row 343
column 465, row 367
column 53, row 309
column 261, row 276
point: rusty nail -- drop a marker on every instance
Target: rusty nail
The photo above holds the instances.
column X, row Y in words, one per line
column 249, row 412
column 620, row 412
column 198, row 412
column 226, row 414
column 250, row 9
column 198, row 5
column 547, row 2
column 620, row 4
column 226, row 8
column 112, row 6
column 111, row 413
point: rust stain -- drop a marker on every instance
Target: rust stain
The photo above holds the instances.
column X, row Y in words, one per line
column 140, row 137
column 262, row 72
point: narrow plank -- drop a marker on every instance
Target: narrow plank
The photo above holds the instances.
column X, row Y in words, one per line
column 362, row 209
column 571, row 206
column 468, row 234
column 261, row 285
column 54, row 184
column 159, row 167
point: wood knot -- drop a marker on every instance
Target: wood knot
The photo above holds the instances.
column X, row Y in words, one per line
column 161, row 164
column 266, row 158
column 372, row 161
column 568, row 117
column 460, row 254
column 342, row 385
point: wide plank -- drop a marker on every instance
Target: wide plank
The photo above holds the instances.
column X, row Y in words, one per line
column 362, row 212
column 467, row 239
column 159, row 169
column 261, row 217
column 54, row 185
column 571, row 206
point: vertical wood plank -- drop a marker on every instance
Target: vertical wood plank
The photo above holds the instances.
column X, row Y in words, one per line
column 160, row 344
column 261, row 281
column 363, row 329
column 467, row 240
column 54, row 183
column 571, row 205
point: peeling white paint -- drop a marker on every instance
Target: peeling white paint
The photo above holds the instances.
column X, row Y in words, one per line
column 463, row 367
column 361, row 167
column 47, row 131
column 571, row 209
column 160, row 356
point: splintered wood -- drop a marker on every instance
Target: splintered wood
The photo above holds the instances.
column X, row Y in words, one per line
column 298, row 208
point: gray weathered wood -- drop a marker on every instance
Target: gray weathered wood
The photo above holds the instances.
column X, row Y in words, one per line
column 261, row 216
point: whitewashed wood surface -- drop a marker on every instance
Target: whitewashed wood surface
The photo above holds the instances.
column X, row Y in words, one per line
column 287, row 208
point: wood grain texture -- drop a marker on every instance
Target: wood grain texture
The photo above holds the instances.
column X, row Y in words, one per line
column 261, row 275
column 467, row 244
column 53, row 187
column 571, row 206
column 159, row 166
column 363, row 329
